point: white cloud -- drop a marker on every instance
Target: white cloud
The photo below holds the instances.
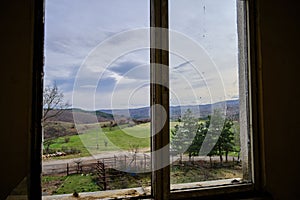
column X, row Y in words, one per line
column 75, row 28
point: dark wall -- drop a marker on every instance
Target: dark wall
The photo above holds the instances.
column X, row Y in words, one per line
column 15, row 101
column 280, row 43
column 279, row 22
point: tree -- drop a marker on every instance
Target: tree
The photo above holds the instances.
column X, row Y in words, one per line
column 53, row 106
column 218, row 134
column 227, row 137
column 183, row 135
column 188, row 136
column 53, row 102
column 199, row 138
column 54, row 130
column 225, row 140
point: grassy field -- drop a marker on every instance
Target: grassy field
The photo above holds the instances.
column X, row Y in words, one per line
column 94, row 140
column 69, row 184
column 179, row 174
column 97, row 140
column 203, row 172
column 105, row 139
column 52, row 185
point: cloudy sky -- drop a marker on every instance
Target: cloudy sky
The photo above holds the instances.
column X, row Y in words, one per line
column 97, row 51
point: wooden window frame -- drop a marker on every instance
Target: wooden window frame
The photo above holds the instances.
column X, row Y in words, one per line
column 159, row 94
column 251, row 103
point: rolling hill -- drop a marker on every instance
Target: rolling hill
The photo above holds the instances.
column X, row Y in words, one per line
column 81, row 116
column 103, row 115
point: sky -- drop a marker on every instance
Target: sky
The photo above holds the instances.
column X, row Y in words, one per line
column 97, row 52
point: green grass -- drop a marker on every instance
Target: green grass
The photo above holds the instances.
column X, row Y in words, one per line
column 78, row 183
column 69, row 184
column 130, row 136
column 235, row 154
column 116, row 138
column 93, row 140
column 119, row 180
column 188, row 174
column 87, row 182
column 47, row 179
column 127, row 180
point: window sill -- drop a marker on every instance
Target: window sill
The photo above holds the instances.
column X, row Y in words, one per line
column 229, row 188
column 178, row 191
column 207, row 190
column 204, row 184
column 108, row 194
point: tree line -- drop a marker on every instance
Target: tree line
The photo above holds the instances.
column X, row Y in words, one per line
column 217, row 132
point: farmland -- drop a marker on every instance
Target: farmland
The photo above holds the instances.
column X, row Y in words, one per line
column 89, row 144
column 96, row 140
column 87, row 182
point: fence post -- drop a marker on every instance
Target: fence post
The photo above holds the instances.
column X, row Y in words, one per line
column 145, row 164
column 101, row 174
column 78, row 162
column 125, row 161
column 115, row 161
column 135, row 161
column 104, row 177
column 67, row 169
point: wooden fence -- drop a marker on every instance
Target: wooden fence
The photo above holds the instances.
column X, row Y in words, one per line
column 132, row 163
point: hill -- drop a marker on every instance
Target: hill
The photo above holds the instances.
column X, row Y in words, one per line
column 81, row 116
column 232, row 110
column 104, row 115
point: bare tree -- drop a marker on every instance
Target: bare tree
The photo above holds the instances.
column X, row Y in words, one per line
column 53, row 102
column 53, row 105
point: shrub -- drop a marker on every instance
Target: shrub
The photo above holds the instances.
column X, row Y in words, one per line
column 64, row 149
column 48, row 151
column 74, row 150
column 67, row 139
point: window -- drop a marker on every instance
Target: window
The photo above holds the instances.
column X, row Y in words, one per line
column 182, row 80
column 185, row 54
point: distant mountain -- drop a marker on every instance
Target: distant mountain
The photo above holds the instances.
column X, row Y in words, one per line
column 85, row 117
column 81, row 116
column 134, row 113
column 203, row 111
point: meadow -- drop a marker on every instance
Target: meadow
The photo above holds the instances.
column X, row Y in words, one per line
column 185, row 173
column 94, row 140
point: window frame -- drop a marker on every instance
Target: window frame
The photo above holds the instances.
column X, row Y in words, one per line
column 35, row 148
column 160, row 95
column 247, row 76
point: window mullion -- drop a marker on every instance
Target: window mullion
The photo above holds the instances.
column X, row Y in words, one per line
column 159, row 94
column 244, row 81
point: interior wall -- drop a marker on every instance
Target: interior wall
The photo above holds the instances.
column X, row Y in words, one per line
column 15, row 101
column 280, row 31
column 280, row 48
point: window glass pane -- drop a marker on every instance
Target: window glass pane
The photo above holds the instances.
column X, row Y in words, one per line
column 96, row 124
column 204, row 99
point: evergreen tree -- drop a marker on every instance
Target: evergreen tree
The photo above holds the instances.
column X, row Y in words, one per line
column 183, row 135
column 188, row 136
column 225, row 140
